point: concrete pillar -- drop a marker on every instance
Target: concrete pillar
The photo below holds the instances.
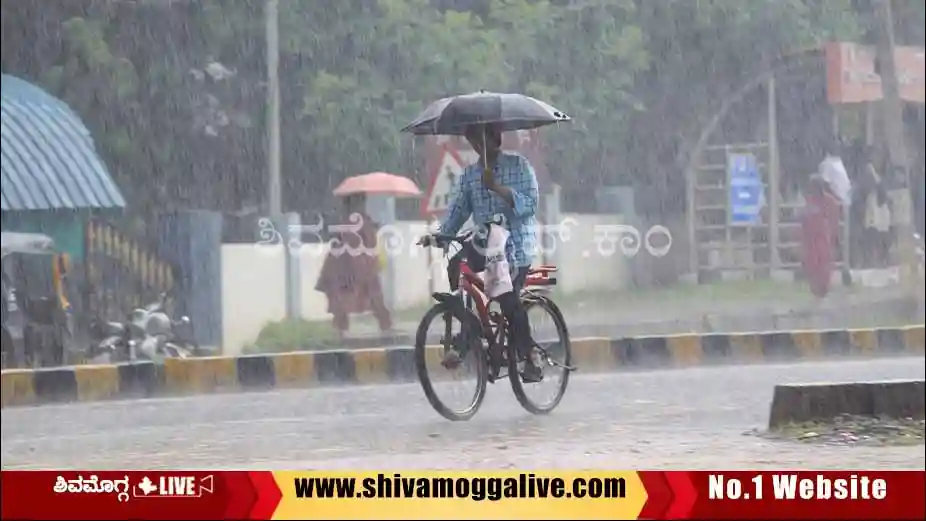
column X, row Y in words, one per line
column 291, row 229
column 192, row 240
column 552, row 217
column 381, row 208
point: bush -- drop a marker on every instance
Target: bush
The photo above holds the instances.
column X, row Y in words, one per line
column 294, row 335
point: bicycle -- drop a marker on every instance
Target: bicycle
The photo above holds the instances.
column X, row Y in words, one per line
column 484, row 332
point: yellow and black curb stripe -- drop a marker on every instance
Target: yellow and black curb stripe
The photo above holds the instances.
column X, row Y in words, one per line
column 177, row 377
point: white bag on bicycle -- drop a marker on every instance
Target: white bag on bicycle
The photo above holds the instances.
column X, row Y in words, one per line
column 497, row 272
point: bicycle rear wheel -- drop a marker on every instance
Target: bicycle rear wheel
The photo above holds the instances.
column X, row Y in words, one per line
column 467, row 341
column 555, row 357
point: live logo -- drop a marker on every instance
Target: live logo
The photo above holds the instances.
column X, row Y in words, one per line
column 177, row 486
column 170, row 486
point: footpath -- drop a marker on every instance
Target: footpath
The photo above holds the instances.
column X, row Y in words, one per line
column 677, row 328
column 720, row 308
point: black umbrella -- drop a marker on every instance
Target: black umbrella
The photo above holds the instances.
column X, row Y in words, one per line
column 451, row 116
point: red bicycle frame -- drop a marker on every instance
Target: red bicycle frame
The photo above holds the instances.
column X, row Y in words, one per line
column 472, row 285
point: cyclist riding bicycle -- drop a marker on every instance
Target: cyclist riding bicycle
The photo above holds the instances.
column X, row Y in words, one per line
column 500, row 183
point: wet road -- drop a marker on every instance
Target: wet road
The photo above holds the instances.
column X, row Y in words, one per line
column 664, row 419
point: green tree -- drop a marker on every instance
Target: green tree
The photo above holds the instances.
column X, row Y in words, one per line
column 174, row 91
column 703, row 51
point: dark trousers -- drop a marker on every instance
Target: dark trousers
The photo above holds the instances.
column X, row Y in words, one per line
column 519, row 328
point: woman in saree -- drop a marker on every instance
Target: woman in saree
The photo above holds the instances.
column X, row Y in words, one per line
column 350, row 274
column 819, row 229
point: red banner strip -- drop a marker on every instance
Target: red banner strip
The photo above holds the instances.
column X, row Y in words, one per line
column 889, row 495
column 893, row 495
column 36, row 495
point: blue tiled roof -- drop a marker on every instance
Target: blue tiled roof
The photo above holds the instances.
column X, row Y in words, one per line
column 48, row 157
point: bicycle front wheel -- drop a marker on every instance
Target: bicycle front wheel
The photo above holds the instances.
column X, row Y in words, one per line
column 451, row 362
column 552, row 352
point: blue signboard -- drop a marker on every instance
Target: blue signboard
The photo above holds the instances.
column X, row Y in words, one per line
column 745, row 189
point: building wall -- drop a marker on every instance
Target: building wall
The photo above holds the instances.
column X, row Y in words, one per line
column 66, row 227
column 253, row 277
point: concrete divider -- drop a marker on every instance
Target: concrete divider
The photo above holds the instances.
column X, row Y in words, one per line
column 384, row 365
column 799, row 403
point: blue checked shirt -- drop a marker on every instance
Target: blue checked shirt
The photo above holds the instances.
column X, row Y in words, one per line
column 473, row 199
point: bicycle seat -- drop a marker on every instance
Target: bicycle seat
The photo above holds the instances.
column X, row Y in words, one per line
column 442, row 296
column 450, row 299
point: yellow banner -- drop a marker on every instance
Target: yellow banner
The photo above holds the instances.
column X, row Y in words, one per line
column 460, row 495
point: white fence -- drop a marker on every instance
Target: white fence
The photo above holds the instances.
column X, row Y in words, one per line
column 253, row 276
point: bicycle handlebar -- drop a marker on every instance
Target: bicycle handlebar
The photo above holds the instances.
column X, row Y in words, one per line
column 442, row 241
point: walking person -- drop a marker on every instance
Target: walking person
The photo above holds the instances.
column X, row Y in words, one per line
column 349, row 276
column 819, row 227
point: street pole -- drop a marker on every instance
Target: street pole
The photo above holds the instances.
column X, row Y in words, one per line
column 773, row 178
column 287, row 227
column 274, row 204
column 893, row 133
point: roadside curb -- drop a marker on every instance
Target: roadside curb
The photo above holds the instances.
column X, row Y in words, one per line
column 799, row 403
column 184, row 377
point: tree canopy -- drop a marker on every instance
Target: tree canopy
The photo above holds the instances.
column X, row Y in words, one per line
column 175, row 91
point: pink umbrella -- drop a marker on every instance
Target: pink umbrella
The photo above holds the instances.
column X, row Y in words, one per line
column 378, row 183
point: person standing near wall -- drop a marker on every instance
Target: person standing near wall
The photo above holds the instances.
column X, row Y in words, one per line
column 833, row 171
column 857, row 162
column 919, row 194
column 876, row 221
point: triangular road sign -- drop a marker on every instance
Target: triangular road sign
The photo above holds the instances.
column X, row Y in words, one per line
column 445, row 182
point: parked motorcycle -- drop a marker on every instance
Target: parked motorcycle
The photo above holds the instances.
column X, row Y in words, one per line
column 149, row 334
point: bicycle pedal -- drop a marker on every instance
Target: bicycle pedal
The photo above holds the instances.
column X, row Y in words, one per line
column 451, row 365
column 570, row 368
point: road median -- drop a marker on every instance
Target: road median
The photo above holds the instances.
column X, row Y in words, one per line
column 88, row 383
column 815, row 402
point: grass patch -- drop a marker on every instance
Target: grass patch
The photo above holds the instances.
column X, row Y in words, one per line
column 412, row 314
column 294, row 335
